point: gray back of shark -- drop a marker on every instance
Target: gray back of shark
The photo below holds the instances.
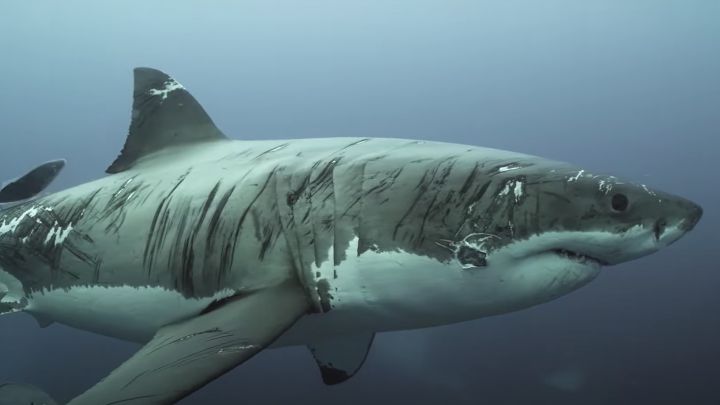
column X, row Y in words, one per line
column 211, row 250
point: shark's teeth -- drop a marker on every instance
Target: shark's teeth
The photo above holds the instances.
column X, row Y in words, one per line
column 577, row 257
column 9, row 305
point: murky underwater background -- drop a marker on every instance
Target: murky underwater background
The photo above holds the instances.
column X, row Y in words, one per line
column 626, row 87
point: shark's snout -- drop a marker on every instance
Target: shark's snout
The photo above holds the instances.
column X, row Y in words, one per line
column 694, row 213
column 669, row 230
column 681, row 217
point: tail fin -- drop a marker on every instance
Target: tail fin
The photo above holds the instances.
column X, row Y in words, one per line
column 22, row 394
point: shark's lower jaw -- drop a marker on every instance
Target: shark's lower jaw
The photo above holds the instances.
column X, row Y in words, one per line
column 592, row 248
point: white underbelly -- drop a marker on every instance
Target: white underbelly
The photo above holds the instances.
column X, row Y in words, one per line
column 394, row 290
column 136, row 313
column 128, row 313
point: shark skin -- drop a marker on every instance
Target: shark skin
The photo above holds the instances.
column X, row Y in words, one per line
column 22, row 189
column 209, row 250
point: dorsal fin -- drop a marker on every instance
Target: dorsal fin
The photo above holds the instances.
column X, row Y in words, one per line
column 163, row 114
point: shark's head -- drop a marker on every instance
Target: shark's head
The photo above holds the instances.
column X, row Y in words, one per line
column 579, row 218
column 487, row 232
column 551, row 227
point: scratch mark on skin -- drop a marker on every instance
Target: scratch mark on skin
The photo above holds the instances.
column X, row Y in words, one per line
column 470, row 179
column 576, row 177
column 169, row 340
column 293, row 196
column 206, row 206
column 470, row 204
column 417, row 198
column 159, row 223
column 227, row 265
column 132, row 399
column 514, row 187
column 319, row 198
column 425, row 218
column 58, row 233
column 44, row 238
column 235, row 155
column 427, row 180
column 215, row 220
column 508, row 168
column 271, row 150
column 129, row 192
column 238, row 349
column 558, row 196
column 10, row 227
column 383, row 185
column 647, row 190
column 605, row 186
column 265, row 245
column 170, row 86
column 197, row 355
column 185, row 281
column 355, row 143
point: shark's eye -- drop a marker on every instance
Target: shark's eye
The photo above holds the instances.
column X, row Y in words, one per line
column 619, row 202
column 470, row 257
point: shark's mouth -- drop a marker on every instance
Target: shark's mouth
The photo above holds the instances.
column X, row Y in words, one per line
column 9, row 306
column 578, row 257
column 11, row 294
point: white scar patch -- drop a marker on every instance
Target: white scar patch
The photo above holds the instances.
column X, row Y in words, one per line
column 508, row 168
column 11, row 226
column 647, row 190
column 58, row 233
column 513, row 187
column 605, row 186
column 518, row 190
column 576, row 177
column 170, row 86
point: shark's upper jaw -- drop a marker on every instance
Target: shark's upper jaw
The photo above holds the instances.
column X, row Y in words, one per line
column 578, row 257
column 597, row 247
column 604, row 248
column 588, row 219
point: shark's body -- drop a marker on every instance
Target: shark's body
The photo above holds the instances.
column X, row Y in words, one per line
column 157, row 245
column 211, row 249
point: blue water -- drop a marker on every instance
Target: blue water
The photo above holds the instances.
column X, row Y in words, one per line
column 626, row 87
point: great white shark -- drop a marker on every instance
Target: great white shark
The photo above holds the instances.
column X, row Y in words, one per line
column 209, row 250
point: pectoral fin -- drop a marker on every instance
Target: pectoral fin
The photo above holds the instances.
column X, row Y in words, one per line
column 31, row 183
column 340, row 358
column 185, row 356
column 22, row 394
